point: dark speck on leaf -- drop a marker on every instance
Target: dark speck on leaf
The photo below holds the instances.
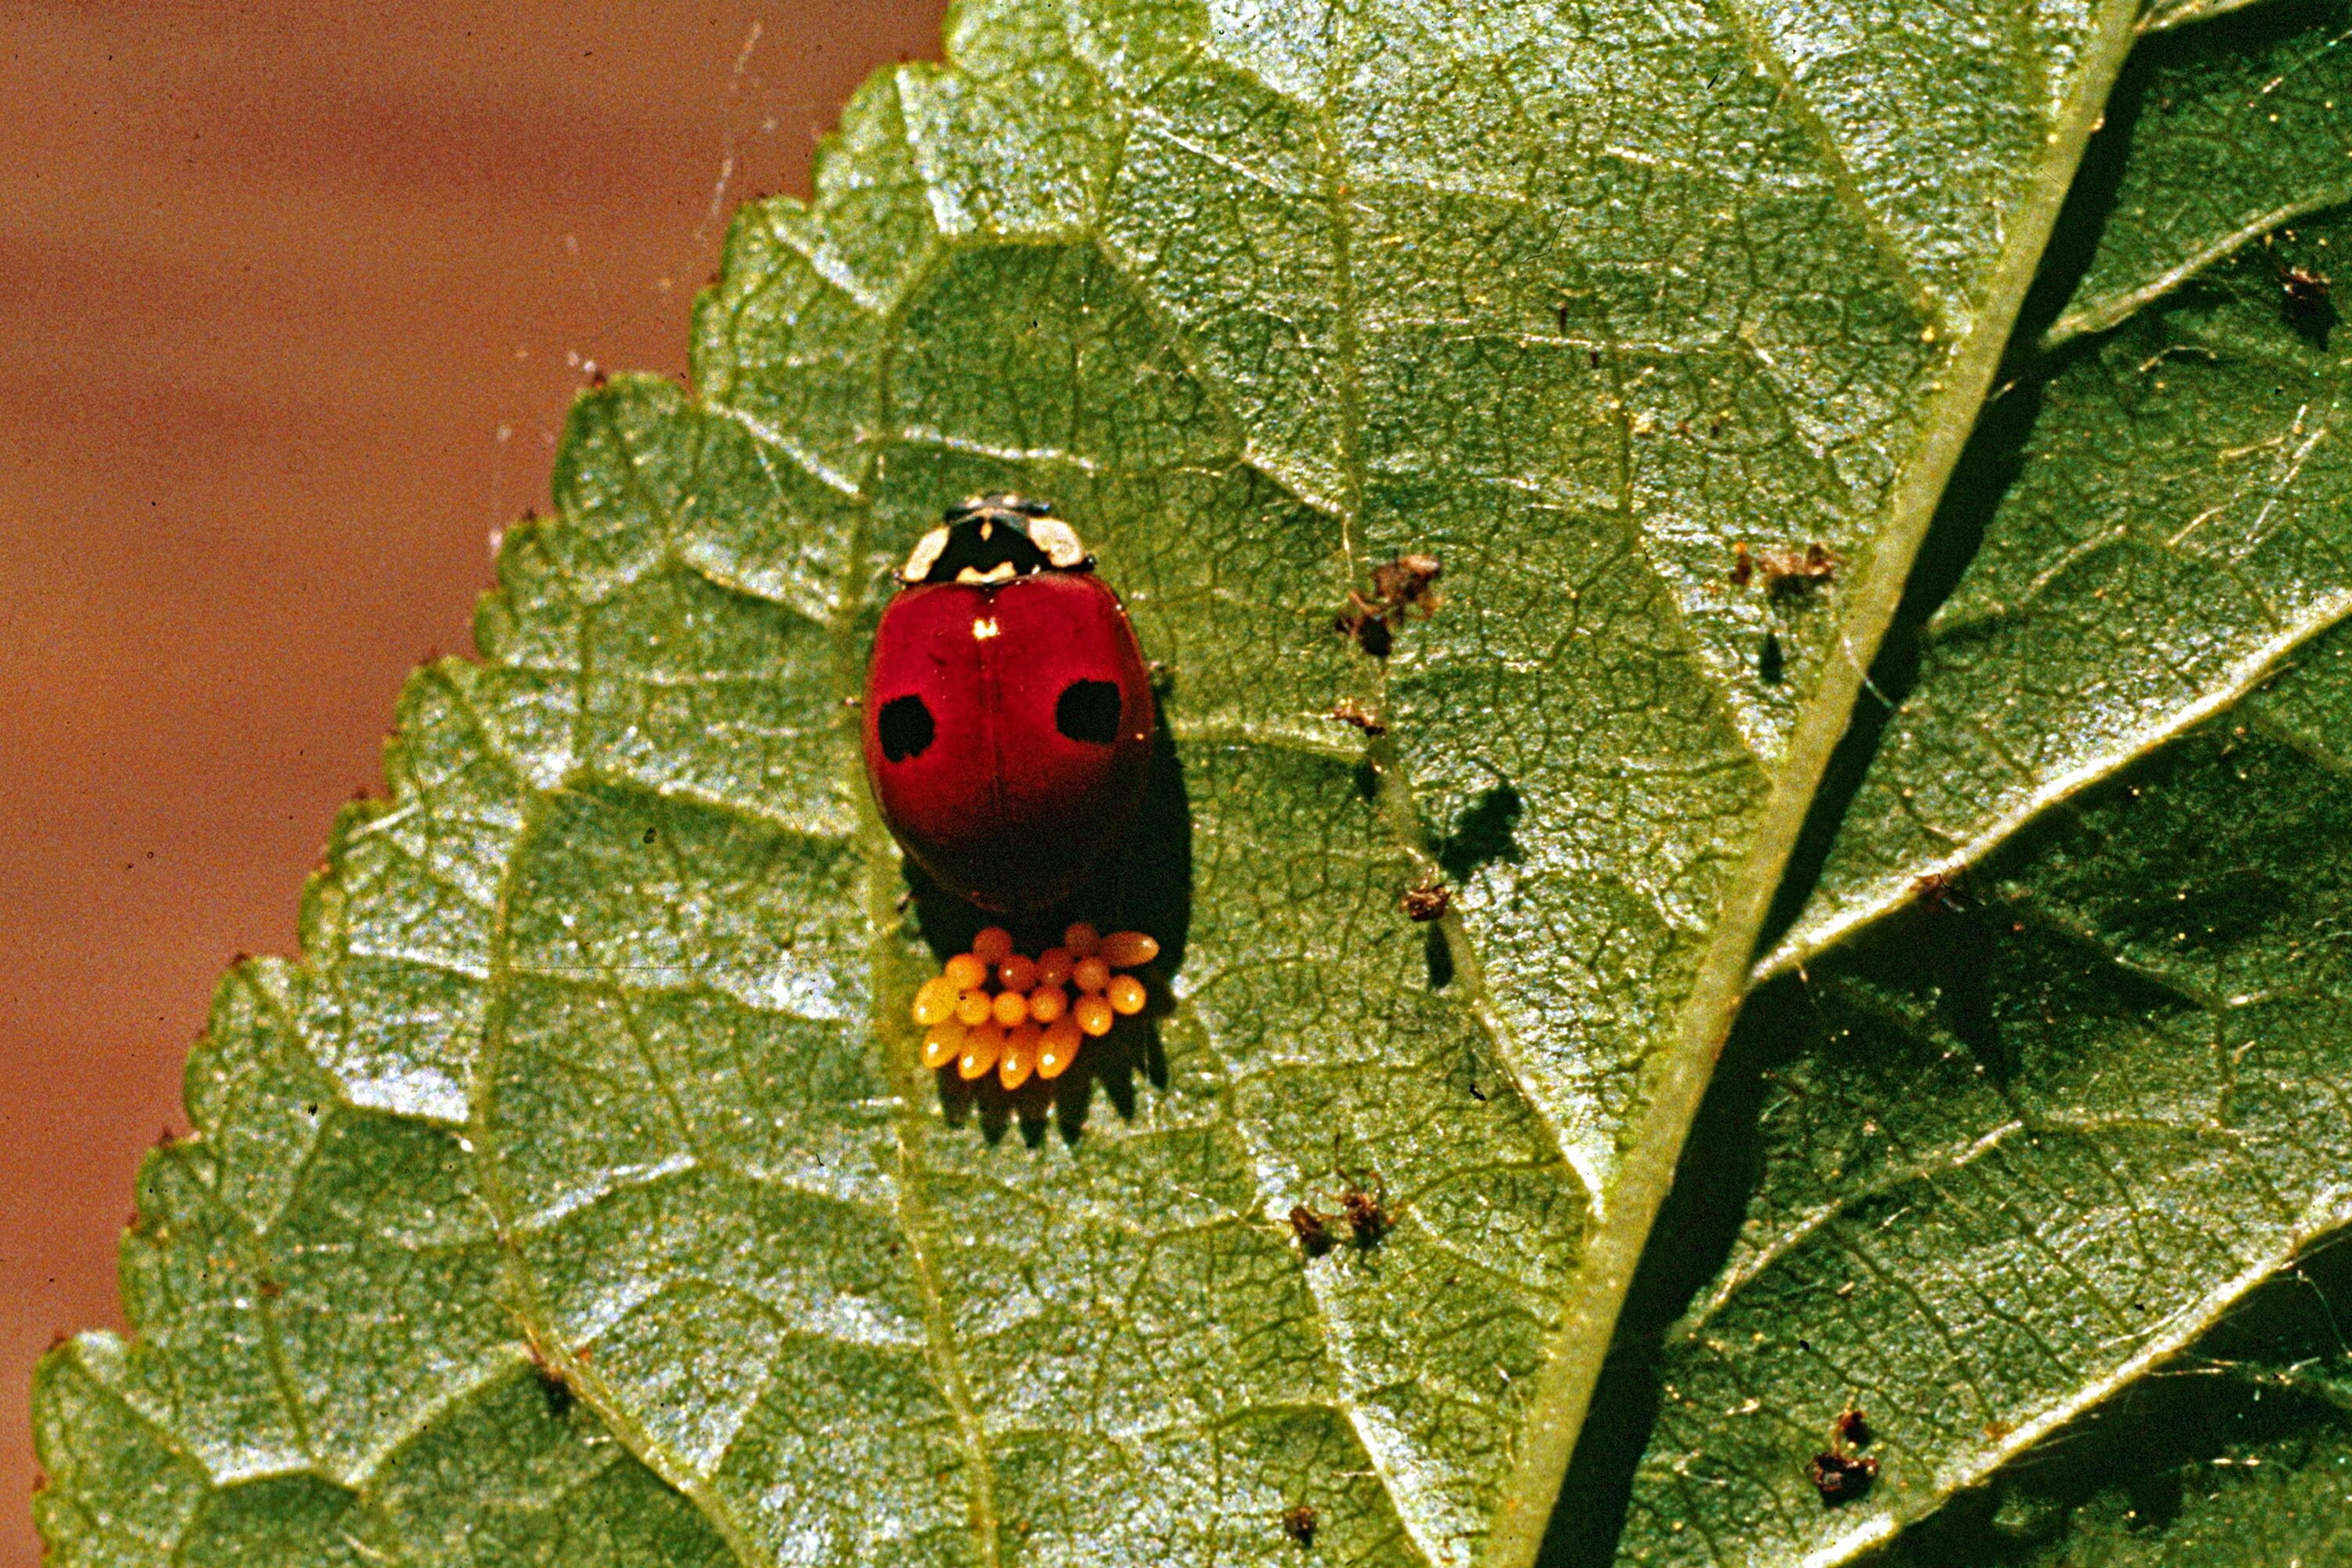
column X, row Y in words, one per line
column 1366, row 1211
column 1787, row 574
column 1839, row 1476
column 552, row 1387
column 1299, row 1525
column 1842, row 1478
column 1405, row 582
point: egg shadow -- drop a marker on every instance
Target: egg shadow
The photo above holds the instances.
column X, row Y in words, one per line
column 1145, row 885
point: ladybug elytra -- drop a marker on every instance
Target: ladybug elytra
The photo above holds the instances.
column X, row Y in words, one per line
column 1008, row 715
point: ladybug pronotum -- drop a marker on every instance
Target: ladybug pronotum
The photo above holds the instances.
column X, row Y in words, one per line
column 1008, row 712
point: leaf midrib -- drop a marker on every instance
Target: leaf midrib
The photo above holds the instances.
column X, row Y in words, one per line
column 1555, row 1415
column 1571, row 1372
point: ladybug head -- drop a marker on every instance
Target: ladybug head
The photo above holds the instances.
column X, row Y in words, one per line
column 994, row 539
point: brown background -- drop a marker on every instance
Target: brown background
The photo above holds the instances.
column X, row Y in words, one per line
column 292, row 298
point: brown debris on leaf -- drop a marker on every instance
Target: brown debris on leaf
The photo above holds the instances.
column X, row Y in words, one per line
column 1315, row 1237
column 1838, row 1475
column 1406, row 583
column 1787, row 574
column 1366, row 1210
column 1426, row 901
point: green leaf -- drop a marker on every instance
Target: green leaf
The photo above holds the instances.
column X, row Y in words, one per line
column 322, row 1373
column 2015, row 1155
column 2243, row 1454
column 2234, row 130
column 1996, row 1163
column 2163, row 510
column 599, row 1049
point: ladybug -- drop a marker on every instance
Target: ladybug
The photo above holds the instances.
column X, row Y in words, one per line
column 1008, row 713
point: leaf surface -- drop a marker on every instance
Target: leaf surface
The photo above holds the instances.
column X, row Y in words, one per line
column 2139, row 984
column 2163, row 507
column 599, row 1050
column 2013, row 1157
column 2241, row 1453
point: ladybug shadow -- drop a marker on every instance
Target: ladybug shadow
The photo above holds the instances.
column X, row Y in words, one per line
column 1145, row 885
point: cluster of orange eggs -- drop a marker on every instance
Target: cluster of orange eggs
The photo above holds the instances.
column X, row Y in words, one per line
column 1028, row 1021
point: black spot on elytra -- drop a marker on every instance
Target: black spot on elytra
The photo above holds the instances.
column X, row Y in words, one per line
column 906, row 727
column 1089, row 710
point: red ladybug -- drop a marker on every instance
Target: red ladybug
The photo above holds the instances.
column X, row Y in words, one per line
column 1008, row 716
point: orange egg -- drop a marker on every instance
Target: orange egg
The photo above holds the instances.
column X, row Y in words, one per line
column 982, row 1046
column 1059, row 1047
column 1125, row 949
column 942, row 1043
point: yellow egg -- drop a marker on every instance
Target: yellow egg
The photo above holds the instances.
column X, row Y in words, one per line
column 1020, row 1057
column 935, row 999
column 942, row 1043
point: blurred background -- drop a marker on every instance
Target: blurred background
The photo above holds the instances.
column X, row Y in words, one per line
column 293, row 295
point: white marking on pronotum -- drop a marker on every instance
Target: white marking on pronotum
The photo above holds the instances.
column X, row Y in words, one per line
column 1058, row 540
column 925, row 555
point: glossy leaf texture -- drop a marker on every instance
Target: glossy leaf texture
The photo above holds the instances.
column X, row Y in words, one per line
column 2137, row 981
column 2240, row 1453
column 2154, row 516
column 581, row 1194
column 2006, row 1156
